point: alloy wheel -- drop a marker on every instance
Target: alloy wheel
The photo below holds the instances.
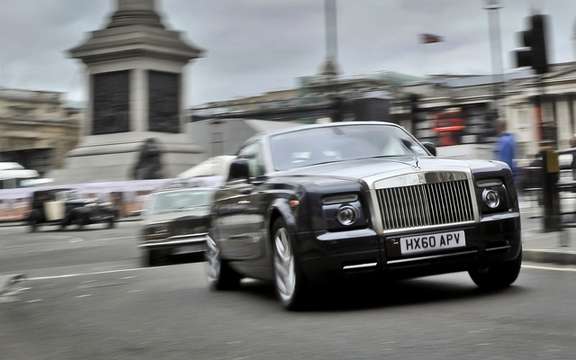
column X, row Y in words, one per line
column 284, row 265
column 213, row 260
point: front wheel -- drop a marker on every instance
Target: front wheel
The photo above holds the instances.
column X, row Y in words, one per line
column 289, row 280
column 496, row 277
column 81, row 221
column 220, row 275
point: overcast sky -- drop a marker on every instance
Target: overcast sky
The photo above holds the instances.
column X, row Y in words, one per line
column 261, row 45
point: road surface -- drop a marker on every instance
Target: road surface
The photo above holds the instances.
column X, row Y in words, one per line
column 88, row 299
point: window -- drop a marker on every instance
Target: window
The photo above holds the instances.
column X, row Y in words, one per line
column 320, row 145
column 253, row 153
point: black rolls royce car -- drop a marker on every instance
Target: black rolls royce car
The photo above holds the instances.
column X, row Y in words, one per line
column 307, row 205
column 175, row 223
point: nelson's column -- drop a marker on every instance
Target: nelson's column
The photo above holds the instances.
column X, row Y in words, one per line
column 135, row 93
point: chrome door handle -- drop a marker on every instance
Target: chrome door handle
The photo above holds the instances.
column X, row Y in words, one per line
column 244, row 202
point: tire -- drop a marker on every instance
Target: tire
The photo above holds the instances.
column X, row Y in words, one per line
column 81, row 222
column 289, row 281
column 497, row 276
column 33, row 222
column 152, row 258
column 111, row 224
column 220, row 275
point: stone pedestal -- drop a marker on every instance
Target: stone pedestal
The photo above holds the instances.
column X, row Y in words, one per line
column 113, row 158
column 135, row 82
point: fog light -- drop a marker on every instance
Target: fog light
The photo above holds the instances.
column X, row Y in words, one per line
column 491, row 198
column 347, row 215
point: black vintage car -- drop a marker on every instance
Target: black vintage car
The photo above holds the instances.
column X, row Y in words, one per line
column 308, row 205
column 175, row 223
column 65, row 207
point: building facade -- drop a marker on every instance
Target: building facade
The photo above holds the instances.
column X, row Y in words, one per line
column 37, row 129
column 446, row 109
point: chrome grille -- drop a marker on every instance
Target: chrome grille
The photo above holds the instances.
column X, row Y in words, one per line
column 425, row 205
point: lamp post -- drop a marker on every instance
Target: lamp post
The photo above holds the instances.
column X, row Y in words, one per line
column 493, row 7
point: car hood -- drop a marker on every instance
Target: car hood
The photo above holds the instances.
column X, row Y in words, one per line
column 386, row 167
column 176, row 216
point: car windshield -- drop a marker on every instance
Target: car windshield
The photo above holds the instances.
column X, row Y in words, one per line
column 340, row 143
column 180, row 201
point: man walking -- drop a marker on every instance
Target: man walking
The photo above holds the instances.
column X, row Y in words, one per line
column 505, row 150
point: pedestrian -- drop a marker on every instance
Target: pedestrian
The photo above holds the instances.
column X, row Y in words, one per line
column 505, row 150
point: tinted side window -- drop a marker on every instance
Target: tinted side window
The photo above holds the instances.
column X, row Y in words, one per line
column 253, row 153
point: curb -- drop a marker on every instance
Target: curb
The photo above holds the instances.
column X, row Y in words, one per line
column 21, row 223
column 550, row 256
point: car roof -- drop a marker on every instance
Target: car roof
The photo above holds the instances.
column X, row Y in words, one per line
column 317, row 126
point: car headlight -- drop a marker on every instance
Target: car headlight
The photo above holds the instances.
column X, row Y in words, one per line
column 347, row 215
column 343, row 212
column 493, row 196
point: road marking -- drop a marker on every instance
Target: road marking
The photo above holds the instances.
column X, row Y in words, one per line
column 67, row 276
column 75, row 275
column 537, row 267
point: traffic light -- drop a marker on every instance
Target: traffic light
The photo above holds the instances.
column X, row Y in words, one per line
column 534, row 52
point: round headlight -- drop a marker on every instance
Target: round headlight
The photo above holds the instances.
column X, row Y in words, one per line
column 491, row 198
column 347, row 215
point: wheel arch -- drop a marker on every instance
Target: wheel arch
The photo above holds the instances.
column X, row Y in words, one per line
column 279, row 209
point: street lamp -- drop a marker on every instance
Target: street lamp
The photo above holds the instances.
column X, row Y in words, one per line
column 493, row 7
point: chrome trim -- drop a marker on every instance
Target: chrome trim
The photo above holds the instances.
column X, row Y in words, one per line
column 186, row 236
column 426, row 175
column 360, row 266
column 497, row 217
column 422, row 258
column 506, row 247
column 192, row 240
column 426, row 227
column 425, row 205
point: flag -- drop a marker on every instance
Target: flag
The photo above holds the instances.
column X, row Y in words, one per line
column 430, row 39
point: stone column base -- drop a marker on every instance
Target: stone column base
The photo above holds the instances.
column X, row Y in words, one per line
column 98, row 161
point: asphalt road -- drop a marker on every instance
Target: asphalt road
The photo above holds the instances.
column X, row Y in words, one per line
column 87, row 299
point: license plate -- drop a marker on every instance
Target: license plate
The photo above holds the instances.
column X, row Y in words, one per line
column 188, row 249
column 432, row 242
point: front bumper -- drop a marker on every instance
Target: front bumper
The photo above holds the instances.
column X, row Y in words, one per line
column 181, row 244
column 492, row 240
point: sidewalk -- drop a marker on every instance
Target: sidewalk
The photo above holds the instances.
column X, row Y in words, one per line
column 555, row 247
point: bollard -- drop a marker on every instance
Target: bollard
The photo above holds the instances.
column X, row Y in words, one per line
column 564, row 237
column 550, row 175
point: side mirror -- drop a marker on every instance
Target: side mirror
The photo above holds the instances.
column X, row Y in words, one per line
column 430, row 147
column 239, row 170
